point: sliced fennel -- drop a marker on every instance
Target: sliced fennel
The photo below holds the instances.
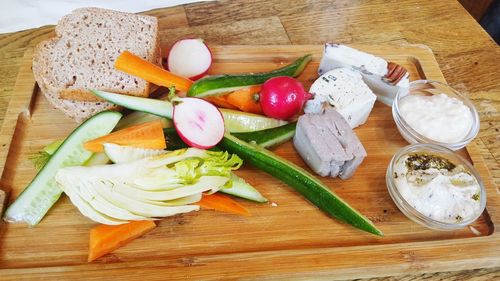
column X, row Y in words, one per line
column 149, row 188
column 98, row 158
column 243, row 189
column 124, row 154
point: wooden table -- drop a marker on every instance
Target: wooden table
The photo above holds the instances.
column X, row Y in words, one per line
column 468, row 57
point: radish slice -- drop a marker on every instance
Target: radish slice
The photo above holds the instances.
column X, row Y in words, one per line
column 199, row 123
column 189, row 58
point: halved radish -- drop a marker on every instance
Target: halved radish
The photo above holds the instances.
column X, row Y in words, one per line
column 189, row 58
column 198, row 122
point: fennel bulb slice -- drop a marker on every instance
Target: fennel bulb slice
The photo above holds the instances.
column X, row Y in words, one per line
column 149, row 188
column 125, row 154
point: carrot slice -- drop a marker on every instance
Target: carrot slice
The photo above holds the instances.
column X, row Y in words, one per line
column 220, row 101
column 246, row 99
column 146, row 135
column 222, row 203
column 136, row 66
column 107, row 238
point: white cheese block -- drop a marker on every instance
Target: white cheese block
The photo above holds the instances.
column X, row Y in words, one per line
column 345, row 90
column 337, row 56
column 372, row 69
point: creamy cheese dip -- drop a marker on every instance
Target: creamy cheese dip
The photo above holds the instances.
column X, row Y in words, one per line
column 438, row 117
column 437, row 188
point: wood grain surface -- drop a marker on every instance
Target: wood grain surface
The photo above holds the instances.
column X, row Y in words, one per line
column 306, row 234
column 467, row 56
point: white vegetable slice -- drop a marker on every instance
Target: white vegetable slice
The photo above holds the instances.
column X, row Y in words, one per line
column 98, row 158
column 205, row 183
column 125, row 154
column 105, row 207
column 182, row 201
column 80, row 191
column 109, row 194
column 142, row 208
column 87, row 210
column 169, row 158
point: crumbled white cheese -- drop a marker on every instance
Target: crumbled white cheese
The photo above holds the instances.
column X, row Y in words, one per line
column 345, row 90
column 274, row 204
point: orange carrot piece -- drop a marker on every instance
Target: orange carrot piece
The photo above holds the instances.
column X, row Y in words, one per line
column 107, row 238
column 222, row 203
column 246, row 99
column 136, row 66
column 220, row 101
column 146, row 135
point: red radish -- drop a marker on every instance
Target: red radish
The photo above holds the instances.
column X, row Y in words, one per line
column 282, row 97
column 189, row 58
column 199, row 123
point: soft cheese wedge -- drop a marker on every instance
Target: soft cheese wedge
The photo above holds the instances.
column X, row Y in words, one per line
column 384, row 78
column 345, row 90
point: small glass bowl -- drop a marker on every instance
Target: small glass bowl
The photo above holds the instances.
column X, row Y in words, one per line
column 407, row 209
column 427, row 88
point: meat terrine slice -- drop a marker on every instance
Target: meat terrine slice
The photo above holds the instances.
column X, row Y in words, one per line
column 328, row 145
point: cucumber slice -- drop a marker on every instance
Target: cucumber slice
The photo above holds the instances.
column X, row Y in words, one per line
column 218, row 84
column 302, row 181
column 34, row 202
column 147, row 105
column 269, row 137
column 125, row 154
column 241, row 188
column 234, row 121
column 239, row 121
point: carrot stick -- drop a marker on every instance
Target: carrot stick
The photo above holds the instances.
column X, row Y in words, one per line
column 146, row 135
column 107, row 238
column 220, row 101
column 246, row 99
column 222, row 203
column 136, row 66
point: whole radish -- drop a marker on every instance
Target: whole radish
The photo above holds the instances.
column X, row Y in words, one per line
column 283, row 97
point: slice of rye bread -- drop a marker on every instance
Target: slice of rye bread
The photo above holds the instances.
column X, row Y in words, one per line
column 82, row 56
column 76, row 110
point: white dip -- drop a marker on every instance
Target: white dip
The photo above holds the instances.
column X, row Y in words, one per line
column 438, row 117
column 445, row 193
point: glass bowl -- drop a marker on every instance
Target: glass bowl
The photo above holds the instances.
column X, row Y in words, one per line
column 407, row 208
column 427, row 88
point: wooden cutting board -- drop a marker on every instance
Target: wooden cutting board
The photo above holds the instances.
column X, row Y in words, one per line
column 290, row 239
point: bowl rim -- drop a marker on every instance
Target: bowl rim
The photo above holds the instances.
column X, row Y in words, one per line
column 419, row 138
column 405, row 207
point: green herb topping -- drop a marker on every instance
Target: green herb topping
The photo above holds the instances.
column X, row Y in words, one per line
column 424, row 161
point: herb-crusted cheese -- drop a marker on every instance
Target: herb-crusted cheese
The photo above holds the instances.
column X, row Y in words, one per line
column 345, row 90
